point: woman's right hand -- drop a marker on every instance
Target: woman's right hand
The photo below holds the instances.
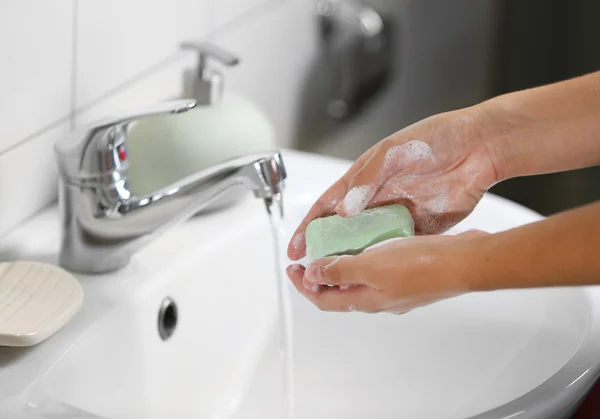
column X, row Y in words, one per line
column 439, row 168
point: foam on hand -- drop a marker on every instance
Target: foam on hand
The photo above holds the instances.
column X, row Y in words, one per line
column 335, row 235
column 414, row 150
column 357, row 199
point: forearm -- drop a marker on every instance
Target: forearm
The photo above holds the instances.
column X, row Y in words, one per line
column 546, row 129
column 562, row 250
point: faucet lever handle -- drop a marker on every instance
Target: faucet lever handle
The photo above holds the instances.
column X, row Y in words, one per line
column 160, row 108
column 205, row 50
column 98, row 149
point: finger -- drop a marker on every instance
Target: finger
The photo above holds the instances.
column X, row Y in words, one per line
column 296, row 275
column 355, row 299
column 363, row 187
column 386, row 243
column 324, row 206
column 340, row 271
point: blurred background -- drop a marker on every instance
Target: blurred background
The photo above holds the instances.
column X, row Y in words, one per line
column 378, row 72
column 328, row 76
column 543, row 42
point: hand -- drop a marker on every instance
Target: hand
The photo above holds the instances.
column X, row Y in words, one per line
column 439, row 168
column 393, row 277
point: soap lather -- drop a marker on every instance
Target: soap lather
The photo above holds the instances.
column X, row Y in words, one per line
column 335, row 235
column 224, row 125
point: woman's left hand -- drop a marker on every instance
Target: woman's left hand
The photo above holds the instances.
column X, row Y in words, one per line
column 393, row 277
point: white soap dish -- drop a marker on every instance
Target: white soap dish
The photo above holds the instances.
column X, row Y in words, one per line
column 36, row 300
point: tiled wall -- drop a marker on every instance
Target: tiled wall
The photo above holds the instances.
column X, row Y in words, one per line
column 68, row 62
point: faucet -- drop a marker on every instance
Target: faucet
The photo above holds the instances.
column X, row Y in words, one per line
column 103, row 223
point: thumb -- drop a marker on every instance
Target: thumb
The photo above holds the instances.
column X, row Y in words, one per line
column 336, row 270
column 474, row 232
column 363, row 187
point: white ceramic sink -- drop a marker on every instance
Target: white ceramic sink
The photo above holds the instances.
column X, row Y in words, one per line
column 521, row 354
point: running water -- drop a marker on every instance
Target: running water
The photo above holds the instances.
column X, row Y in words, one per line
column 275, row 209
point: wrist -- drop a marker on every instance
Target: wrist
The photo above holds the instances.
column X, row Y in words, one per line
column 477, row 275
column 534, row 131
column 464, row 266
column 499, row 122
column 486, row 262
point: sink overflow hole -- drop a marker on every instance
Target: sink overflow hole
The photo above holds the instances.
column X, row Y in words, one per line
column 167, row 318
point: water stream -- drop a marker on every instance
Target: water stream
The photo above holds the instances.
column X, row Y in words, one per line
column 275, row 210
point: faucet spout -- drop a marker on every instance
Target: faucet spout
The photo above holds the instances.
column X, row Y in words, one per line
column 101, row 235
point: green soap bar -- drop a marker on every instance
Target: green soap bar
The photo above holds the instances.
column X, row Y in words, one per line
column 337, row 235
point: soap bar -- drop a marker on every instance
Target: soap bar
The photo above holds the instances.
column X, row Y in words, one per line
column 337, row 235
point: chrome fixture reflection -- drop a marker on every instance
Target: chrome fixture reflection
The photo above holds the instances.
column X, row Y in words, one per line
column 103, row 222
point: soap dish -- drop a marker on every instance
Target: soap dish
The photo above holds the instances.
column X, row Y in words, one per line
column 36, row 300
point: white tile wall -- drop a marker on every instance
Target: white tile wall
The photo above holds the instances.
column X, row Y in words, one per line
column 36, row 43
column 28, row 177
column 119, row 40
column 67, row 62
column 228, row 10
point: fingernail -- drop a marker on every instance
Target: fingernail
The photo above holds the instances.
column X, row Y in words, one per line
column 295, row 267
column 298, row 241
column 292, row 270
column 313, row 274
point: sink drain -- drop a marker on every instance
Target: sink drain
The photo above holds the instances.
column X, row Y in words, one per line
column 167, row 318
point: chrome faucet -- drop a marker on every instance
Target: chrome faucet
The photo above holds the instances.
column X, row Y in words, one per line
column 103, row 223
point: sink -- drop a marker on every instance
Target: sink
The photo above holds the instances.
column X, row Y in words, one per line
column 521, row 354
